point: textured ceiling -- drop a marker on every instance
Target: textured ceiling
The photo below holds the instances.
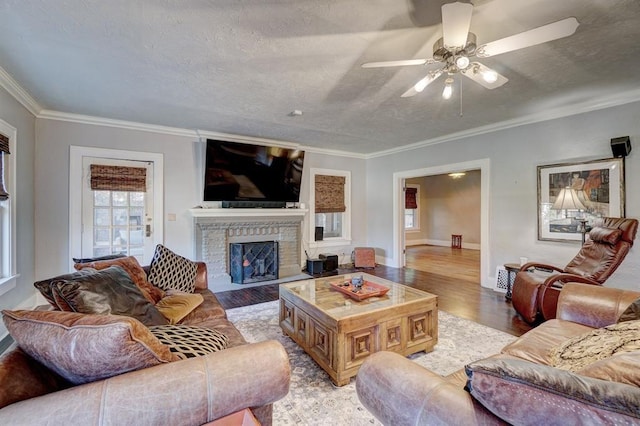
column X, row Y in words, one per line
column 242, row 66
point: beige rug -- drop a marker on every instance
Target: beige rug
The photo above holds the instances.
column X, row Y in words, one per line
column 313, row 400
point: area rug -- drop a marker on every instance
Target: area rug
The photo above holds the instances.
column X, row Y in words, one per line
column 314, row 400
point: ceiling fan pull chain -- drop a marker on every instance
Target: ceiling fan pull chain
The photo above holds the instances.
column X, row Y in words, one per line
column 460, row 96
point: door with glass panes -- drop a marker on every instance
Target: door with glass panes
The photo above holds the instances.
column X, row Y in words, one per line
column 117, row 208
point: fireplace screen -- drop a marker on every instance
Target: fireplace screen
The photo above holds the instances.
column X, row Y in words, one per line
column 253, row 262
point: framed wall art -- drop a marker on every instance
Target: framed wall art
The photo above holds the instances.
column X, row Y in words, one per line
column 571, row 195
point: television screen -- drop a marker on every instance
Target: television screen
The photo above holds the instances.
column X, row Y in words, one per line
column 245, row 172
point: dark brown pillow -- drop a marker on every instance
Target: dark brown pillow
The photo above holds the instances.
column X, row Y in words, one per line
column 109, row 291
column 135, row 271
column 521, row 392
column 84, row 348
column 44, row 286
column 632, row 312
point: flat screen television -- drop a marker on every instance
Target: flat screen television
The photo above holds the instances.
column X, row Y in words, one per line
column 246, row 172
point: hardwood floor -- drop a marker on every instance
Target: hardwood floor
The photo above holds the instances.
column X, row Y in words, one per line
column 452, row 274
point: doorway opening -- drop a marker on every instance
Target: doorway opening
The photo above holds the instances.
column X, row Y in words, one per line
column 400, row 178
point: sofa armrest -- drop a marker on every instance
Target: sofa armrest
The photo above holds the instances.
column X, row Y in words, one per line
column 593, row 305
column 397, row 391
column 189, row 392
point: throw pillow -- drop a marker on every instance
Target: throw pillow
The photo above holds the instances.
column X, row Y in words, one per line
column 109, row 291
column 96, row 259
column 187, row 341
column 580, row 351
column 84, row 348
column 631, row 313
column 176, row 305
column 44, row 286
column 135, row 271
column 523, row 393
column 171, row 271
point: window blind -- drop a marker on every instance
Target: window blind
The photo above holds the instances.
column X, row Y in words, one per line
column 4, row 149
column 329, row 194
column 410, row 201
column 118, row 178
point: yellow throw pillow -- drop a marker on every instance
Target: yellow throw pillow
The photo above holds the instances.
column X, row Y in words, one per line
column 176, row 305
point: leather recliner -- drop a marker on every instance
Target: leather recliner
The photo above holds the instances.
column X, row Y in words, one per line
column 537, row 285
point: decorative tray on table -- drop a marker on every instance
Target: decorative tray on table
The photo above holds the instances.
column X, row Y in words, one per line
column 359, row 292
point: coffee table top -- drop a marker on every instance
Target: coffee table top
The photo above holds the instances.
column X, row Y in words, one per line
column 318, row 292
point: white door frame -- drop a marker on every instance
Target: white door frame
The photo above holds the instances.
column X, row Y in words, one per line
column 75, row 194
column 398, row 209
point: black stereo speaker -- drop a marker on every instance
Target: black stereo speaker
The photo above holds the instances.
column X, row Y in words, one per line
column 319, row 233
column 621, row 147
column 314, row 266
column 330, row 261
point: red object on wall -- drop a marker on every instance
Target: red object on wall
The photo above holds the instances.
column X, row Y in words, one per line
column 456, row 241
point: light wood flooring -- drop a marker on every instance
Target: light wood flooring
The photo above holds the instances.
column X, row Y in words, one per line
column 452, row 274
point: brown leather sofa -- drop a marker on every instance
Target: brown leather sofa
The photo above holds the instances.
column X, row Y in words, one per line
column 194, row 391
column 400, row 392
column 535, row 293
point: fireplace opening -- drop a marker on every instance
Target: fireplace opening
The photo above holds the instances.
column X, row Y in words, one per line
column 253, row 262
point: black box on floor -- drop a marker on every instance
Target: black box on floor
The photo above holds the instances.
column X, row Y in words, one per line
column 330, row 262
column 314, row 266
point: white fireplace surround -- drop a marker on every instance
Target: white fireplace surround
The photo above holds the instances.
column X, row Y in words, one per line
column 216, row 228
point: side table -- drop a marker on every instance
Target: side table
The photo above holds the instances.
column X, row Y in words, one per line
column 512, row 268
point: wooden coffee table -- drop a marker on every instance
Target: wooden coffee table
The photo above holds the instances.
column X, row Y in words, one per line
column 339, row 332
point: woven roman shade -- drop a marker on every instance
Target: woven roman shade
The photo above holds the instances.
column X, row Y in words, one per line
column 410, row 201
column 4, row 149
column 118, row 178
column 330, row 194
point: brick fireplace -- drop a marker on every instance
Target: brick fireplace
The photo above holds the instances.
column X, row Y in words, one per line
column 216, row 229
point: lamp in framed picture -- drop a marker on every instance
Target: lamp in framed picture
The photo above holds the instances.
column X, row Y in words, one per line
column 571, row 196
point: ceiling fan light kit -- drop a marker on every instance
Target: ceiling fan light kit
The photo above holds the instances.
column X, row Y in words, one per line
column 457, row 45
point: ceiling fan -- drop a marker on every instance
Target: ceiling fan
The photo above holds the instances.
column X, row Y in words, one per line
column 457, row 46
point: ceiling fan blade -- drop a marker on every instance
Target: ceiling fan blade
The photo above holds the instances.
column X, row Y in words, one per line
column 484, row 75
column 543, row 34
column 456, row 20
column 397, row 63
column 420, row 85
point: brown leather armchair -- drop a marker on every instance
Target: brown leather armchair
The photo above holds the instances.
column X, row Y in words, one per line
column 537, row 285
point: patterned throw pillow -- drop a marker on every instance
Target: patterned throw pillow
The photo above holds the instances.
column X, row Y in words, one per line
column 188, row 342
column 171, row 271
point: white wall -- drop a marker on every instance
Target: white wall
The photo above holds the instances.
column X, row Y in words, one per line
column 182, row 181
column 11, row 111
column 514, row 154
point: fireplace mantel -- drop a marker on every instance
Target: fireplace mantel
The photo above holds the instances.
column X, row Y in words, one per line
column 242, row 213
column 216, row 228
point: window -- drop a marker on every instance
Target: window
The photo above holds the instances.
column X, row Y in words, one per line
column 330, row 199
column 7, row 207
column 412, row 207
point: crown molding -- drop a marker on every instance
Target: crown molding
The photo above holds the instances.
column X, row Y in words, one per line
column 567, row 111
column 122, row 124
column 9, row 84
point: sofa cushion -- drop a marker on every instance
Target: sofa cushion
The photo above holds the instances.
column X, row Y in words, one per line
column 84, row 348
column 135, row 271
column 169, row 270
column 631, row 313
column 580, row 351
column 524, row 393
column 188, row 341
column 109, row 291
column 44, row 286
column 23, row 377
column 176, row 305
